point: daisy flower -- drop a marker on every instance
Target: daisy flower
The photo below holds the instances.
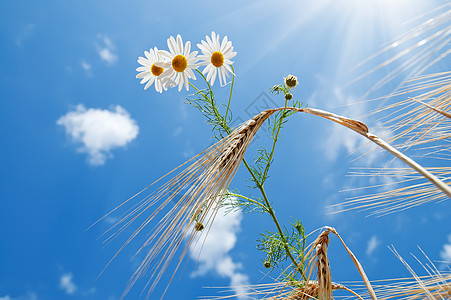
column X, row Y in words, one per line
column 149, row 72
column 217, row 57
column 180, row 63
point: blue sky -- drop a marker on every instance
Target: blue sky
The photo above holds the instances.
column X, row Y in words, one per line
column 78, row 59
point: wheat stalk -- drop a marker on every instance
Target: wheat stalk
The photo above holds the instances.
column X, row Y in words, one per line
column 311, row 290
column 423, row 120
column 293, row 290
column 436, row 285
column 202, row 185
column 394, row 199
column 315, row 259
column 421, row 47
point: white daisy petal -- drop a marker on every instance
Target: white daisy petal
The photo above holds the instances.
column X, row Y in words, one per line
column 228, row 68
column 158, row 86
column 143, row 74
column 162, row 64
column 207, row 68
column 208, row 47
column 221, row 77
column 210, row 73
column 224, row 45
column 190, row 74
column 179, row 44
column 142, row 61
column 202, row 48
column 152, row 54
column 225, row 78
column 208, row 40
column 187, row 48
column 172, row 44
column 149, row 83
column 186, row 81
column 192, row 56
column 144, row 80
column 213, row 76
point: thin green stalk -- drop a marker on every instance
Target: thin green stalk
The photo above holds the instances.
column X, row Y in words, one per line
column 213, row 104
column 265, row 173
column 267, row 203
column 230, row 96
column 267, row 206
column 247, row 199
column 271, row 212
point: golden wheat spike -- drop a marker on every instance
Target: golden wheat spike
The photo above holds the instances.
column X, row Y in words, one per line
column 418, row 49
column 388, row 198
column 315, row 261
column 436, row 285
column 420, row 126
column 195, row 194
column 424, row 118
column 201, row 187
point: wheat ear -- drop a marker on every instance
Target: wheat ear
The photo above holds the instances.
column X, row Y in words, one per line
column 196, row 193
column 202, row 186
column 362, row 129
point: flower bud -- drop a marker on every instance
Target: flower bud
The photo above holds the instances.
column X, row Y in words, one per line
column 291, row 81
column 267, row 264
column 199, row 226
column 288, row 96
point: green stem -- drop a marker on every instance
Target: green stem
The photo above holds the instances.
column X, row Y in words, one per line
column 213, row 104
column 271, row 212
column 230, row 96
column 267, row 205
column 247, row 199
column 275, row 138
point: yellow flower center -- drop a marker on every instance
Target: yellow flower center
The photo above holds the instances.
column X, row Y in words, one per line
column 217, row 59
column 156, row 71
column 179, row 63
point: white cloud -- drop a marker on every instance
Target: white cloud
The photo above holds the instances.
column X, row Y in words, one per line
column 27, row 32
column 67, row 284
column 86, row 66
column 177, row 131
column 99, row 131
column 27, row 296
column 338, row 136
column 372, row 244
column 214, row 255
column 106, row 49
column 445, row 254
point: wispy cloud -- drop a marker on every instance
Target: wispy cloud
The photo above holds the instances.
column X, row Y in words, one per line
column 26, row 32
column 86, row 66
column 106, row 49
column 67, row 284
column 27, row 296
column 445, row 254
column 215, row 253
column 372, row 245
column 338, row 137
column 99, row 131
